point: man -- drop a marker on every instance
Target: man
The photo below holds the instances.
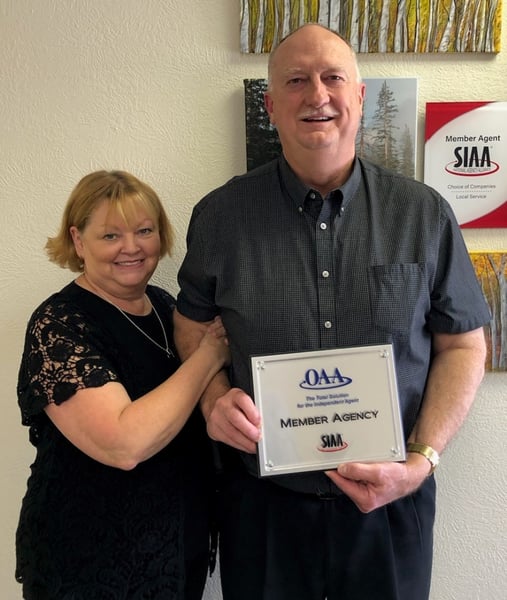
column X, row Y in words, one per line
column 382, row 262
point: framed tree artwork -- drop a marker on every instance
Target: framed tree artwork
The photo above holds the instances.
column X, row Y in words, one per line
column 378, row 25
column 491, row 271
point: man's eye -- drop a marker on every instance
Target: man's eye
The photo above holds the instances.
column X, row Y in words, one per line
column 295, row 81
column 335, row 78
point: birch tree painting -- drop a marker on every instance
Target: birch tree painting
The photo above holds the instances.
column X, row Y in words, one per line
column 491, row 271
column 378, row 25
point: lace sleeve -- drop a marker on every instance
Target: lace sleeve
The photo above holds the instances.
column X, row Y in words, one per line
column 61, row 356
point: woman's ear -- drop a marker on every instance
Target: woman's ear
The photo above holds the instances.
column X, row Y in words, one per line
column 76, row 238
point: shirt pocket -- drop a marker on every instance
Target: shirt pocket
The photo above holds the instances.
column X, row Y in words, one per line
column 396, row 292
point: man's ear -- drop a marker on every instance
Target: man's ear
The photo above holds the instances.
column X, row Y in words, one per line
column 362, row 94
column 268, row 105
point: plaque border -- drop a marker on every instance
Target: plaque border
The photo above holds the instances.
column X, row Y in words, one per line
column 397, row 452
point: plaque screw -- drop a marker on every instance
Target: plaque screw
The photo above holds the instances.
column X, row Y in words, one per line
column 384, row 354
column 260, row 365
column 269, row 464
column 395, row 451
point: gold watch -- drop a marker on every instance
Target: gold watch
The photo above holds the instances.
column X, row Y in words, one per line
column 428, row 452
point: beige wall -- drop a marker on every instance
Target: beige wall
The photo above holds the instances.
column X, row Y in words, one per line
column 155, row 87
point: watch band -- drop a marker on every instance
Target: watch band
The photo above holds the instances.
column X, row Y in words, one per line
column 427, row 451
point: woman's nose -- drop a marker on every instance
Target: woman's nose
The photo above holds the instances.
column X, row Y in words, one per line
column 130, row 243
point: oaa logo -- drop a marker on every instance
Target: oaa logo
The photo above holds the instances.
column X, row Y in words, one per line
column 321, row 380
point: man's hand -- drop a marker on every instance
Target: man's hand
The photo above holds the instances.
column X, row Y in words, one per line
column 372, row 485
column 234, row 420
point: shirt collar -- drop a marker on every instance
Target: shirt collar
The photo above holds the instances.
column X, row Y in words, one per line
column 298, row 191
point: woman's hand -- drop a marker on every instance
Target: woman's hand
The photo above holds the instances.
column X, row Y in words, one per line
column 215, row 338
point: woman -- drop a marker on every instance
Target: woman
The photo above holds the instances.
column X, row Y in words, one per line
column 117, row 504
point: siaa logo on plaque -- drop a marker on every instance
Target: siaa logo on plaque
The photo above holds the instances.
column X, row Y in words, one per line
column 332, row 442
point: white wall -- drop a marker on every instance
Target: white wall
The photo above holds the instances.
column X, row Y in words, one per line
column 155, row 87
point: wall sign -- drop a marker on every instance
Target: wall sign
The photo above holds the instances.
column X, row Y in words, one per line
column 465, row 159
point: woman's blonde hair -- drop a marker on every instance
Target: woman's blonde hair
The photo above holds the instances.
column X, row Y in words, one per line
column 125, row 194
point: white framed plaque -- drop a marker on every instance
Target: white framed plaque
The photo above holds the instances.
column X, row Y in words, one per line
column 319, row 409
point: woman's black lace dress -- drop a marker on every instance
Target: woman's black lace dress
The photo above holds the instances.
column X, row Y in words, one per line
column 92, row 532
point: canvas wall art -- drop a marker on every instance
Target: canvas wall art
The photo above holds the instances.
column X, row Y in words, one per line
column 387, row 133
column 378, row 25
column 465, row 157
column 491, row 271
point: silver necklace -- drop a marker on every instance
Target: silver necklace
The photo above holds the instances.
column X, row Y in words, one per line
column 165, row 348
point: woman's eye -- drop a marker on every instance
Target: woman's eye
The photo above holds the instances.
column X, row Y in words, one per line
column 145, row 231
column 110, row 236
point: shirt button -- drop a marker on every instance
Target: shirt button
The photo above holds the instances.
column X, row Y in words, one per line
column 323, row 226
column 328, row 324
column 325, row 274
column 300, row 209
column 312, row 195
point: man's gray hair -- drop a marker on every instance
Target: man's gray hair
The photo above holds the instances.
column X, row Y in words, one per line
column 274, row 51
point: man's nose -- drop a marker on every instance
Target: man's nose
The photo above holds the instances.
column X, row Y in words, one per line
column 318, row 94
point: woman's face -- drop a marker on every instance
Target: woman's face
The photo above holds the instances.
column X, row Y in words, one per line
column 119, row 257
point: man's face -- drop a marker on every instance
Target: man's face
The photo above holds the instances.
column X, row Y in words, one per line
column 314, row 99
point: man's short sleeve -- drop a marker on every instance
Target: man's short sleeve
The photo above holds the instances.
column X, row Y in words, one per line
column 196, row 277
column 457, row 302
